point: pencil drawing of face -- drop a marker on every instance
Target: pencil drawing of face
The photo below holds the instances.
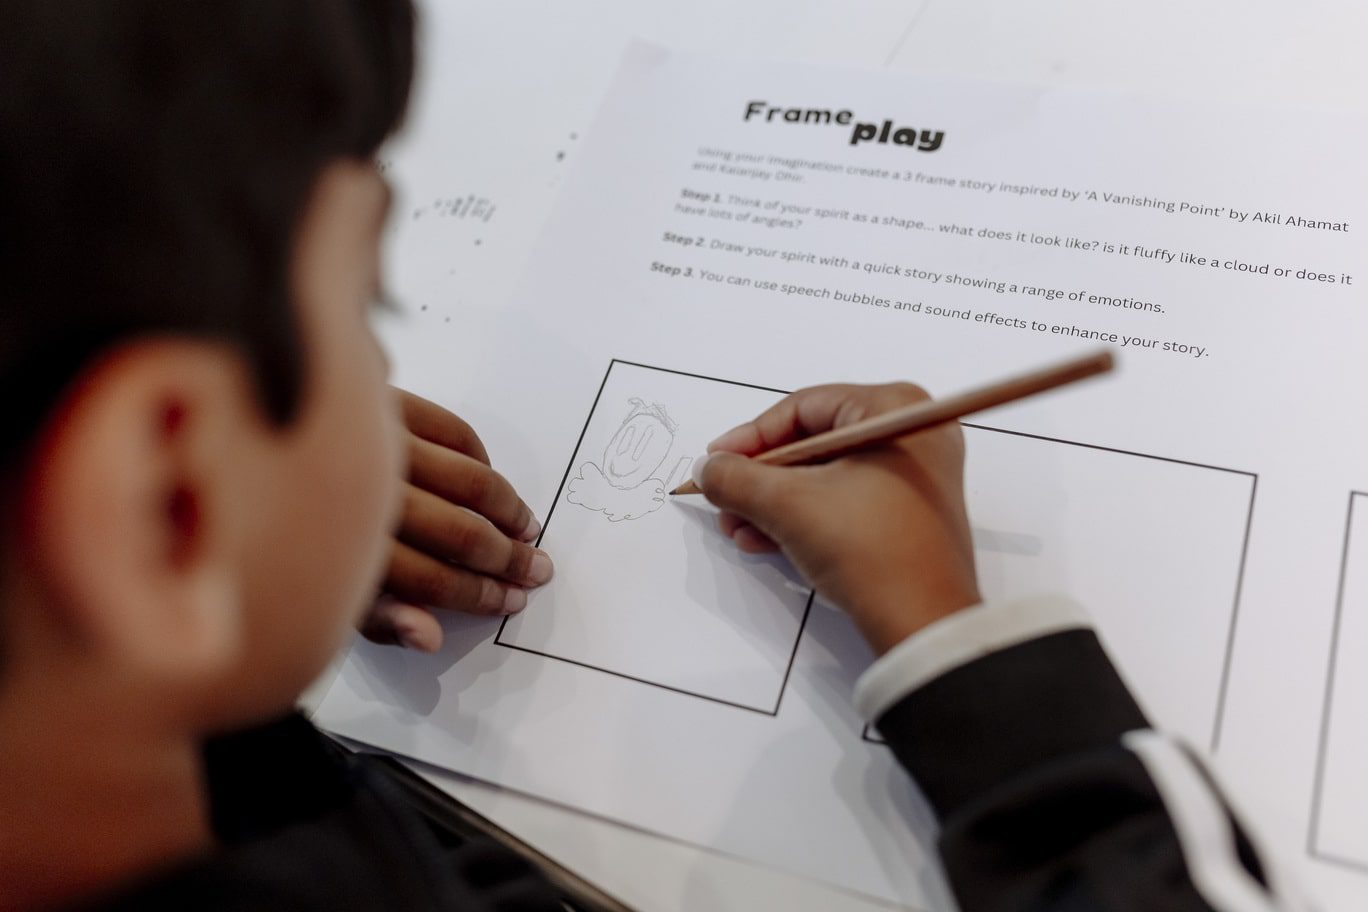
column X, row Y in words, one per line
column 628, row 484
column 639, row 446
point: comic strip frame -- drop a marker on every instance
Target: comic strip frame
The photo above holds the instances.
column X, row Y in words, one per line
column 868, row 734
column 560, row 490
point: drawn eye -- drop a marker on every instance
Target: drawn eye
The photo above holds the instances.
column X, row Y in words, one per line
column 644, row 442
column 637, row 450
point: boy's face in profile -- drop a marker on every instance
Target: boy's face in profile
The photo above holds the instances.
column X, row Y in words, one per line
column 202, row 462
column 329, row 492
column 183, row 556
column 178, row 564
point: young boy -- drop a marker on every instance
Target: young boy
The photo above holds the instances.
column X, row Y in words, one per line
column 201, row 467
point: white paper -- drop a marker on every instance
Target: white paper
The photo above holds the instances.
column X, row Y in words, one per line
column 702, row 261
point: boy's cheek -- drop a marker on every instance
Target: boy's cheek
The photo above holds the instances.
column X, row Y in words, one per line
column 387, row 476
column 397, row 436
column 386, row 479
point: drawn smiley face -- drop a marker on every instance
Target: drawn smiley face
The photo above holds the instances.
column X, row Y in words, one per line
column 640, row 445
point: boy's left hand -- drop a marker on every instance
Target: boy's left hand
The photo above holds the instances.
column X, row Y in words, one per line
column 463, row 542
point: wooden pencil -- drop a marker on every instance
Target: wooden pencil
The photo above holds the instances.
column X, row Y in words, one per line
column 874, row 431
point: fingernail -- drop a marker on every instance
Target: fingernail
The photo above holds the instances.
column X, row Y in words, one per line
column 735, row 437
column 515, row 600
column 540, row 569
column 532, row 530
column 699, row 464
column 411, row 639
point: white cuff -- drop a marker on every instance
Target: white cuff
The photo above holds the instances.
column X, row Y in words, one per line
column 957, row 640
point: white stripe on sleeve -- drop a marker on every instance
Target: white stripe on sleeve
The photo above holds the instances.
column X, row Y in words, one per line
column 957, row 640
column 1207, row 836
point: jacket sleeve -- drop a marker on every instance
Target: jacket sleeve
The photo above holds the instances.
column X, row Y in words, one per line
column 1052, row 790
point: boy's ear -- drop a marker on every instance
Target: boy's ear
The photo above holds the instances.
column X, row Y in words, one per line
column 133, row 509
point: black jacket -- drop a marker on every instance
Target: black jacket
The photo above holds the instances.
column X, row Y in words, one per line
column 303, row 826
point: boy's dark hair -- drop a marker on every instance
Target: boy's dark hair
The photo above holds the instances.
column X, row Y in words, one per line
column 155, row 160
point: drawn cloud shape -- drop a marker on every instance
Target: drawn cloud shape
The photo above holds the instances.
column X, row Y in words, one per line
column 592, row 490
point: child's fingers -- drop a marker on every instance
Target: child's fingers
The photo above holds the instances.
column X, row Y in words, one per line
column 751, row 540
column 461, row 537
column 798, row 415
column 812, row 411
column 411, row 626
column 417, row 577
column 764, row 496
column 429, row 421
column 730, row 522
column 746, row 536
column 469, row 483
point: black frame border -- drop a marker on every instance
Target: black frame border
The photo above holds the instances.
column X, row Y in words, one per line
column 1226, row 662
column 1318, row 789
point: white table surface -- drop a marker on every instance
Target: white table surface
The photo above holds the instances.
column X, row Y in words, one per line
column 507, row 86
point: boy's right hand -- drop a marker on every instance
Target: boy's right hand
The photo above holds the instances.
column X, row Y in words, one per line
column 882, row 533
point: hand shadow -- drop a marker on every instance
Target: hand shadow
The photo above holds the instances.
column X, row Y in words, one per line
column 411, row 680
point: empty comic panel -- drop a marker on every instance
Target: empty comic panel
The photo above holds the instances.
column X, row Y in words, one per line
column 1058, row 519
